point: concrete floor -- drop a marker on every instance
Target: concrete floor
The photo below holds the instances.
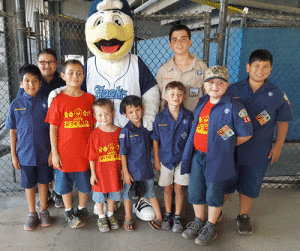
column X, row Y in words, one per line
column 275, row 217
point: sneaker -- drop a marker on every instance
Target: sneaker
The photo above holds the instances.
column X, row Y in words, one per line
column 167, row 221
column 58, row 201
column 207, row 234
column 103, row 225
column 192, row 229
column 45, row 218
column 32, row 222
column 177, row 225
column 243, row 222
column 71, row 218
column 113, row 223
column 83, row 216
column 144, row 210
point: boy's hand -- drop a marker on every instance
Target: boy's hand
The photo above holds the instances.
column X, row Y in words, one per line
column 157, row 166
column 128, row 178
column 50, row 159
column 16, row 162
column 274, row 153
column 56, row 160
column 93, row 180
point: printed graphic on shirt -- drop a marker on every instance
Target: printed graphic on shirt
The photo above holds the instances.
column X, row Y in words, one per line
column 117, row 93
column 286, row 98
column 194, row 92
column 109, row 153
column 225, row 132
column 202, row 126
column 122, row 136
column 243, row 114
column 184, row 135
column 263, row 117
column 77, row 118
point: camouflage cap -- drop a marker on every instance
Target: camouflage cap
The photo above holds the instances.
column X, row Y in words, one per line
column 216, row 72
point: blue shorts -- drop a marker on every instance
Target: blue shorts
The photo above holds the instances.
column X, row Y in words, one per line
column 202, row 192
column 250, row 179
column 31, row 175
column 150, row 193
column 101, row 197
column 64, row 182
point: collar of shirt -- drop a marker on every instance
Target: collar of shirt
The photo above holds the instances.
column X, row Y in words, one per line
column 182, row 112
column 37, row 96
column 171, row 64
column 267, row 85
column 131, row 126
column 55, row 77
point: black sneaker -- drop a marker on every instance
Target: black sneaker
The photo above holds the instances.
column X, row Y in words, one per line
column 71, row 218
column 177, row 225
column 207, row 234
column 83, row 216
column 167, row 221
column 192, row 229
column 32, row 222
column 58, row 201
column 243, row 222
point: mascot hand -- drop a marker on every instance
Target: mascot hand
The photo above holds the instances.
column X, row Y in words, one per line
column 54, row 94
column 151, row 100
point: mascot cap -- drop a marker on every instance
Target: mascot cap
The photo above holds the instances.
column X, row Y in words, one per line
column 101, row 5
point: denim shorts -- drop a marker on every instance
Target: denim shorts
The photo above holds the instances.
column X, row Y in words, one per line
column 150, row 193
column 31, row 175
column 250, row 179
column 101, row 197
column 64, row 182
column 202, row 192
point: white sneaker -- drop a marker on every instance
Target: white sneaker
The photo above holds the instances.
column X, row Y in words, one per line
column 144, row 210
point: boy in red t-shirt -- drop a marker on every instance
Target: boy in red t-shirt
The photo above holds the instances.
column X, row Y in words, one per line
column 71, row 123
column 103, row 152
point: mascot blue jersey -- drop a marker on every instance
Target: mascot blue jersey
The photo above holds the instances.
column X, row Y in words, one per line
column 135, row 79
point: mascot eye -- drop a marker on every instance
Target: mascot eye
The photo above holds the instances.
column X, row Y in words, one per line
column 118, row 20
column 98, row 21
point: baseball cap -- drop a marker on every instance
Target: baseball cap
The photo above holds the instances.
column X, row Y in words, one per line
column 217, row 71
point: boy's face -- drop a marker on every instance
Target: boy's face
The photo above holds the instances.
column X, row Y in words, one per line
column 31, row 84
column 73, row 75
column 215, row 88
column 259, row 71
column 47, row 64
column 134, row 114
column 180, row 42
column 104, row 115
column 175, row 97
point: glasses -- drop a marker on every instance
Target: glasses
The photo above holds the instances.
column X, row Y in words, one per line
column 47, row 62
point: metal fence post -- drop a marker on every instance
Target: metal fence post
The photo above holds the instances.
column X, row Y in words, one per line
column 206, row 42
column 37, row 30
column 57, row 36
column 221, row 31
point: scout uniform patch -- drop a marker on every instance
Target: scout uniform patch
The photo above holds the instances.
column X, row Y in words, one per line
column 225, row 132
column 263, row 117
column 243, row 114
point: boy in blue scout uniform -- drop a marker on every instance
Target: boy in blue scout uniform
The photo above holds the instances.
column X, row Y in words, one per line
column 267, row 106
column 171, row 129
column 135, row 151
column 220, row 123
column 30, row 143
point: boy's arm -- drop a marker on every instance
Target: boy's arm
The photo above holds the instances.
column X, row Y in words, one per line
column 50, row 159
column 56, row 160
column 156, row 155
column 242, row 140
column 13, row 147
column 282, row 128
column 126, row 175
column 93, row 179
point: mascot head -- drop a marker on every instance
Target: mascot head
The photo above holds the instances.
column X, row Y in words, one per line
column 109, row 29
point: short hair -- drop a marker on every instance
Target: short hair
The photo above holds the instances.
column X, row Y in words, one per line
column 179, row 27
column 261, row 55
column 48, row 51
column 131, row 100
column 103, row 102
column 68, row 62
column 175, row 84
column 30, row 68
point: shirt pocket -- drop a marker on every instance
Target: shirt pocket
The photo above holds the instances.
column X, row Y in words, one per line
column 20, row 114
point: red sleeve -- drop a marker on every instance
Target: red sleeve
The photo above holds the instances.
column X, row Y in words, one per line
column 53, row 115
column 91, row 149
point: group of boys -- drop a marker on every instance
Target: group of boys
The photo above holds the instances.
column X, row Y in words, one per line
column 226, row 148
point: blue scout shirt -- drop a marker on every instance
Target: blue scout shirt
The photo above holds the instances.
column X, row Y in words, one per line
column 27, row 115
column 172, row 135
column 266, row 106
column 136, row 143
column 228, row 120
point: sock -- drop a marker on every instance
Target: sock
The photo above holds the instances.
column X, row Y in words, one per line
column 176, row 216
column 79, row 207
column 69, row 209
column 101, row 216
column 109, row 214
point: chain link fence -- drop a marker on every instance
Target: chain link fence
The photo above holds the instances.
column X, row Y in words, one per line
column 278, row 33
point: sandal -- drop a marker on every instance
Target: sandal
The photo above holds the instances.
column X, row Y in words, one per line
column 128, row 225
column 155, row 224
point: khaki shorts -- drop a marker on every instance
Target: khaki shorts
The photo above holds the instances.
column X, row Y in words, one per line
column 168, row 177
